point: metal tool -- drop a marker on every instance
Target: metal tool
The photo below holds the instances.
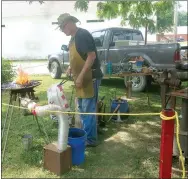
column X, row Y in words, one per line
column 101, row 109
column 165, row 83
column 116, row 109
column 68, row 78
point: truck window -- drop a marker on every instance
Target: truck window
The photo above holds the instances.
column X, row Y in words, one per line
column 122, row 35
column 99, row 38
column 137, row 36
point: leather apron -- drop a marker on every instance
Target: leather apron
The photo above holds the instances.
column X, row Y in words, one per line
column 76, row 64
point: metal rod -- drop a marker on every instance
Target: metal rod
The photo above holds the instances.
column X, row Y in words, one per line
column 173, row 102
column 71, row 97
column 164, row 89
column 35, row 117
column 166, row 102
column 3, row 153
column 147, row 93
column 10, row 102
column 42, row 131
column 184, row 120
column 115, row 110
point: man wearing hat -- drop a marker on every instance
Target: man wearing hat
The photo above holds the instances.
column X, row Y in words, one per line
column 86, row 72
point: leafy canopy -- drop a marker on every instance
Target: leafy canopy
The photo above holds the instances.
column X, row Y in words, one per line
column 136, row 13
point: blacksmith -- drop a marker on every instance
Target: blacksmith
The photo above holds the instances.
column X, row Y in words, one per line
column 86, row 72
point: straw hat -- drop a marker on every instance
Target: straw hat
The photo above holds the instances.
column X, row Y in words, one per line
column 64, row 18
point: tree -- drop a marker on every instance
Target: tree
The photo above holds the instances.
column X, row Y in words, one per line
column 182, row 18
column 136, row 13
column 41, row 2
column 7, row 73
column 81, row 5
column 164, row 11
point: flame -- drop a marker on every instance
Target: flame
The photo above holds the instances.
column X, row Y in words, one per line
column 22, row 77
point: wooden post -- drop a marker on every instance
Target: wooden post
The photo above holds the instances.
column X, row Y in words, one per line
column 166, row 147
column 173, row 102
column 129, row 88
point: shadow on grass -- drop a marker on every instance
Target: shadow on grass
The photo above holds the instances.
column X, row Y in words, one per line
column 154, row 88
column 151, row 123
column 125, row 151
column 113, row 83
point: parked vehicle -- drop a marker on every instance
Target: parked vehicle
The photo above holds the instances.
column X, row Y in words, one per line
column 120, row 45
column 182, row 65
column 58, row 62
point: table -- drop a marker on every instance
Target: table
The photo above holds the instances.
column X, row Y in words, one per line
column 128, row 74
column 129, row 83
column 183, row 94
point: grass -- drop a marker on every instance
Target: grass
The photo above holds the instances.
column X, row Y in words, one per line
column 128, row 150
column 29, row 60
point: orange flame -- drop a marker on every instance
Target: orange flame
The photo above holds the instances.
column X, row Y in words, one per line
column 22, row 77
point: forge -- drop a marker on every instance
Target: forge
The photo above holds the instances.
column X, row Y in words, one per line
column 22, row 87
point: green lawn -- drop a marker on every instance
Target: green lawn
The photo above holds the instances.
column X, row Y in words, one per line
column 129, row 149
column 29, row 61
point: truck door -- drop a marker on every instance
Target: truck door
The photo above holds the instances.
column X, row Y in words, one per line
column 99, row 38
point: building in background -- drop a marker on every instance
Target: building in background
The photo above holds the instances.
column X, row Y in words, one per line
column 182, row 35
column 29, row 33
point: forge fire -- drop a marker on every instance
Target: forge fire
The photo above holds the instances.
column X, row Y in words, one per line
column 22, row 78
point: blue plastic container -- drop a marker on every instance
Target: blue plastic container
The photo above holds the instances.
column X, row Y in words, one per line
column 124, row 108
column 77, row 139
column 139, row 65
column 109, row 68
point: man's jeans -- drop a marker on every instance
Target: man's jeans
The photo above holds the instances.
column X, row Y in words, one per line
column 89, row 122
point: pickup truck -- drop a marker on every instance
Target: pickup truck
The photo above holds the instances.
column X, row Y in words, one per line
column 120, row 45
column 183, row 64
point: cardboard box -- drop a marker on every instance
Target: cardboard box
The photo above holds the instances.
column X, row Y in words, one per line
column 56, row 161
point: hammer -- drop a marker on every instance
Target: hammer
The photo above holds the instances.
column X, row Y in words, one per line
column 115, row 110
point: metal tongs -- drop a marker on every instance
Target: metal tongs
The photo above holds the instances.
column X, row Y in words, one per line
column 68, row 78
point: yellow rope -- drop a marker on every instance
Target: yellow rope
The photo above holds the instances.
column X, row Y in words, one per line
column 179, row 146
column 104, row 114
column 132, row 114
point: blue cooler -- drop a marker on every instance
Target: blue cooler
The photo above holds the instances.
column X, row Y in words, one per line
column 124, row 108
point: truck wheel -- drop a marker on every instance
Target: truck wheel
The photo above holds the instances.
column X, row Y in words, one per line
column 138, row 83
column 55, row 70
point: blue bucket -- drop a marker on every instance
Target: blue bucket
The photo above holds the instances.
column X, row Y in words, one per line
column 76, row 139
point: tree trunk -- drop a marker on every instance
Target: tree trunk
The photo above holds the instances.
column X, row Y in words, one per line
column 146, row 33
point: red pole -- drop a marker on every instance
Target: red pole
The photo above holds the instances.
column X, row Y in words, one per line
column 166, row 148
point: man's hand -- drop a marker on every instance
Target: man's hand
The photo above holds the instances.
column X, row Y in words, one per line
column 79, row 81
column 68, row 72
